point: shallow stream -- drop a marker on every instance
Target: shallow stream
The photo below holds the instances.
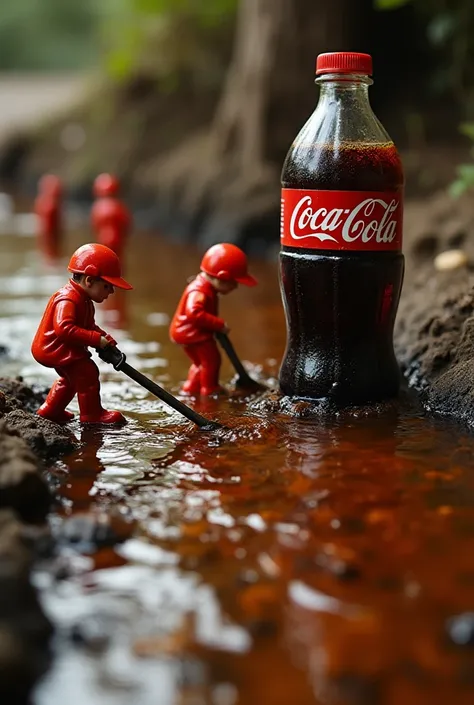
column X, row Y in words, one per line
column 300, row 562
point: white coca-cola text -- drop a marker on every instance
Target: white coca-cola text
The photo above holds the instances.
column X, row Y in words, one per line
column 371, row 218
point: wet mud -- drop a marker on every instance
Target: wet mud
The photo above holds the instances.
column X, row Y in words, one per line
column 27, row 443
column 435, row 326
column 21, row 484
column 301, row 554
column 18, row 406
column 272, row 402
column 25, row 631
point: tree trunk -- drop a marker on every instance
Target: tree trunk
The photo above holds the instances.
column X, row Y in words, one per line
column 240, row 117
column 227, row 180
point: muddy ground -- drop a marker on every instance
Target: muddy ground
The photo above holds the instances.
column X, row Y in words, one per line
column 25, row 500
column 29, row 446
column 435, row 346
column 434, row 334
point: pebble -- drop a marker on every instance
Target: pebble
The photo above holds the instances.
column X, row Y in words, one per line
column 450, row 259
column 461, row 629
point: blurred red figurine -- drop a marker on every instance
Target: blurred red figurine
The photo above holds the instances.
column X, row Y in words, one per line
column 195, row 321
column 47, row 207
column 111, row 219
column 68, row 328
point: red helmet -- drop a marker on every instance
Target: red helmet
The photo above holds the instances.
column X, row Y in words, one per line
column 106, row 185
column 227, row 262
column 50, row 185
column 98, row 261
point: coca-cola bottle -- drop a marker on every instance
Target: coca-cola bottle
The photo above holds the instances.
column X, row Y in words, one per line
column 341, row 267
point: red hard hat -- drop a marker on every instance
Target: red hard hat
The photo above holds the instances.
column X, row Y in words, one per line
column 227, row 262
column 106, row 185
column 98, row 261
column 51, row 185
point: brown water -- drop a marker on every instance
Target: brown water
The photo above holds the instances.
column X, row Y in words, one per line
column 307, row 562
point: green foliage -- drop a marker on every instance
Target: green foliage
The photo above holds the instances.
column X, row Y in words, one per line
column 131, row 27
column 390, row 4
column 464, row 172
column 47, row 34
column 204, row 11
column 69, row 34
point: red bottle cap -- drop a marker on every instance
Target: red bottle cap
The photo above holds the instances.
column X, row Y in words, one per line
column 344, row 62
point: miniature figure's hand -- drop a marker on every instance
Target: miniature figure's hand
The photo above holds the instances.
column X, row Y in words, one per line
column 110, row 340
column 226, row 329
column 103, row 342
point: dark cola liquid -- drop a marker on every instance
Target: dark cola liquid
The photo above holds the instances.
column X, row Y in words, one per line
column 341, row 306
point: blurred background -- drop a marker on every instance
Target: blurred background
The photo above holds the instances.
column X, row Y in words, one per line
column 194, row 103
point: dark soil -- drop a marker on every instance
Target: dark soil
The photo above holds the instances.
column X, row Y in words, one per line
column 28, row 444
column 25, row 632
column 17, row 395
column 21, row 485
column 18, row 404
column 435, row 327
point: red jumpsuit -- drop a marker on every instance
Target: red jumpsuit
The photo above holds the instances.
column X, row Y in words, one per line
column 193, row 326
column 48, row 210
column 64, row 333
column 111, row 221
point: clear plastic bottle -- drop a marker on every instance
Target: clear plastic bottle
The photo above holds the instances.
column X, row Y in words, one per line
column 341, row 266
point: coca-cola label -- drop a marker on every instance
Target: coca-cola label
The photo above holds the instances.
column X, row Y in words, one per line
column 342, row 220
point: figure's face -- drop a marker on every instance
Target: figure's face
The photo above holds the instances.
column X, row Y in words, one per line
column 97, row 289
column 224, row 287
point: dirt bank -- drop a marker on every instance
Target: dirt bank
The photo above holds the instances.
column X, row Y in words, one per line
column 25, row 499
column 435, row 326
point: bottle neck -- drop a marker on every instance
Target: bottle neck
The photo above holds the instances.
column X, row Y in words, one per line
column 338, row 89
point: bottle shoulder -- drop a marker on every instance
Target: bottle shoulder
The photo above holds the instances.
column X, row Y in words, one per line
column 352, row 165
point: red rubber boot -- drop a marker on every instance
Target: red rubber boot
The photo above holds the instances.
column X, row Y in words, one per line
column 192, row 385
column 92, row 411
column 210, row 360
column 54, row 407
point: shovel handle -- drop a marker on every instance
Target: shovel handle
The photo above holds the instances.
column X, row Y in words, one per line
column 229, row 349
column 117, row 358
column 244, row 379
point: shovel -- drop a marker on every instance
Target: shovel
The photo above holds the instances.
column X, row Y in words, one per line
column 244, row 380
column 116, row 357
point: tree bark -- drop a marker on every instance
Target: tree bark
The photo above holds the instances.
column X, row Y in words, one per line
column 230, row 179
column 240, row 117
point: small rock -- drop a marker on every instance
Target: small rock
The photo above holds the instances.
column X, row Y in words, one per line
column 461, row 629
column 450, row 259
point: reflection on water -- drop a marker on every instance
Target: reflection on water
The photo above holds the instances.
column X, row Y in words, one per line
column 292, row 561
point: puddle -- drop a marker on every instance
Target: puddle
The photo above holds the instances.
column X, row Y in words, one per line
column 303, row 561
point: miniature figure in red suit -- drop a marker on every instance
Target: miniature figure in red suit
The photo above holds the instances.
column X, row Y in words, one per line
column 47, row 208
column 68, row 328
column 111, row 219
column 196, row 319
